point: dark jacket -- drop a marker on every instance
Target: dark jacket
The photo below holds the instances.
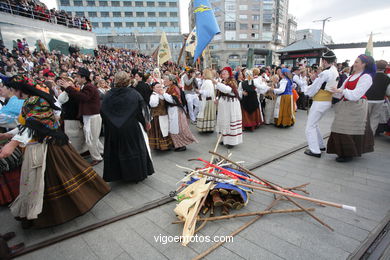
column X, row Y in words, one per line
column 88, row 98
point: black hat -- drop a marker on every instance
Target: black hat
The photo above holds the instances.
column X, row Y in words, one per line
column 295, row 68
column 329, row 55
column 83, row 72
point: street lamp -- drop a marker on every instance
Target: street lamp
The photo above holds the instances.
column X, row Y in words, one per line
column 323, row 27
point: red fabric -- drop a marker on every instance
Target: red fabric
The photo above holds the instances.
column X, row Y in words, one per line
column 351, row 85
column 9, row 186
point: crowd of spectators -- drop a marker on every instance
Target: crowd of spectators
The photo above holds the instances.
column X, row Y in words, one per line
column 37, row 10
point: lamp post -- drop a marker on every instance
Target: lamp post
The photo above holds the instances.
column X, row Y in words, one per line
column 323, row 27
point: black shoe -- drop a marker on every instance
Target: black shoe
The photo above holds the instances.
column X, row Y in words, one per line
column 310, row 153
column 180, row 149
column 323, row 149
column 344, row 159
column 229, row 146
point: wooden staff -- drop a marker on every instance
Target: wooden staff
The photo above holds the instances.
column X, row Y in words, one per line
column 267, row 212
column 215, row 246
column 323, row 202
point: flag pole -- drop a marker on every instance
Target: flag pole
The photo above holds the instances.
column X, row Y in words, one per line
column 182, row 49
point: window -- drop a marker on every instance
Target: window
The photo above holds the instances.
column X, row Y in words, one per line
column 161, row 4
column 163, row 24
column 139, row 3
column 90, row 3
column 172, row 4
column 173, row 14
column 255, row 17
column 141, row 24
column 243, row 7
column 115, row 3
column 106, row 24
column 254, row 35
column 255, row 26
column 128, row 14
column 174, row 24
column 233, row 46
column 117, row 14
column 162, row 14
column 152, row 24
column 243, row 17
column 104, row 14
column 103, row 3
column 243, row 26
column 95, row 25
column 78, row 3
column 151, row 14
column 118, row 24
column 243, row 36
column 139, row 14
column 127, row 3
column 150, row 4
column 64, row 2
column 80, row 14
column 129, row 24
column 230, row 26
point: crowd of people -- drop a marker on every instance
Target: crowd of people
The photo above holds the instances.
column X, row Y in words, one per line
column 37, row 10
column 55, row 108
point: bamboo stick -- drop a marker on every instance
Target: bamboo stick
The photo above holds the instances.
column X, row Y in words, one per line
column 267, row 212
column 324, row 202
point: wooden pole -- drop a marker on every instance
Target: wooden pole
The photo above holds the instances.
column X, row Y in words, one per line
column 323, row 202
column 267, row 212
column 215, row 246
column 181, row 51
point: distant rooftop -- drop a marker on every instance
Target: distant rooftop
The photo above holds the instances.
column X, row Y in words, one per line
column 302, row 45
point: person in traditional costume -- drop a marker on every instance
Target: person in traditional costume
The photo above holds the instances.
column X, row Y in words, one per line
column 351, row 133
column 376, row 95
column 229, row 117
column 89, row 109
column 73, row 127
column 9, row 174
column 56, row 184
column 250, row 106
column 192, row 99
column 270, row 100
column 284, row 113
column 319, row 91
column 178, row 126
column 301, row 83
column 141, row 86
column 159, row 138
column 126, row 120
column 207, row 113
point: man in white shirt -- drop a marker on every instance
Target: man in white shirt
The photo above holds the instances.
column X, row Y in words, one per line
column 322, row 102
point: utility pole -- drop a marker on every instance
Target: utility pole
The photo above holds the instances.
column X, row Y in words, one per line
column 323, row 27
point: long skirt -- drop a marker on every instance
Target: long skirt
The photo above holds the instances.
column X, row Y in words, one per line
column 206, row 117
column 351, row 134
column 156, row 139
column 269, row 111
column 57, row 185
column 284, row 111
column 9, row 186
column 229, row 121
column 184, row 137
column 252, row 120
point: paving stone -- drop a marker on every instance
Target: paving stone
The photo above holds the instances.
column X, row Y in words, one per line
column 103, row 244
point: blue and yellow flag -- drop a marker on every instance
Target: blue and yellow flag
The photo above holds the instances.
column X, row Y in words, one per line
column 206, row 25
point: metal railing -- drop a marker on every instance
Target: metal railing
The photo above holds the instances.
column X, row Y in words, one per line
column 43, row 14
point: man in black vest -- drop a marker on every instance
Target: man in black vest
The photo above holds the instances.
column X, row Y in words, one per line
column 376, row 94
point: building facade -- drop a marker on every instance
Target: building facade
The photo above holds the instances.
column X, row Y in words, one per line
column 291, row 29
column 244, row 24
column 142, row 20
column 314, row 35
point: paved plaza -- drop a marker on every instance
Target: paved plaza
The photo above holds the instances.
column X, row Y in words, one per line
column 364, row 183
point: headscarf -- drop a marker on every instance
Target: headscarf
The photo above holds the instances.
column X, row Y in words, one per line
column 370, row 67
column 228, row 69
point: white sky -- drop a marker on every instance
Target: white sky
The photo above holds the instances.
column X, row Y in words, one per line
column 352, row 21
